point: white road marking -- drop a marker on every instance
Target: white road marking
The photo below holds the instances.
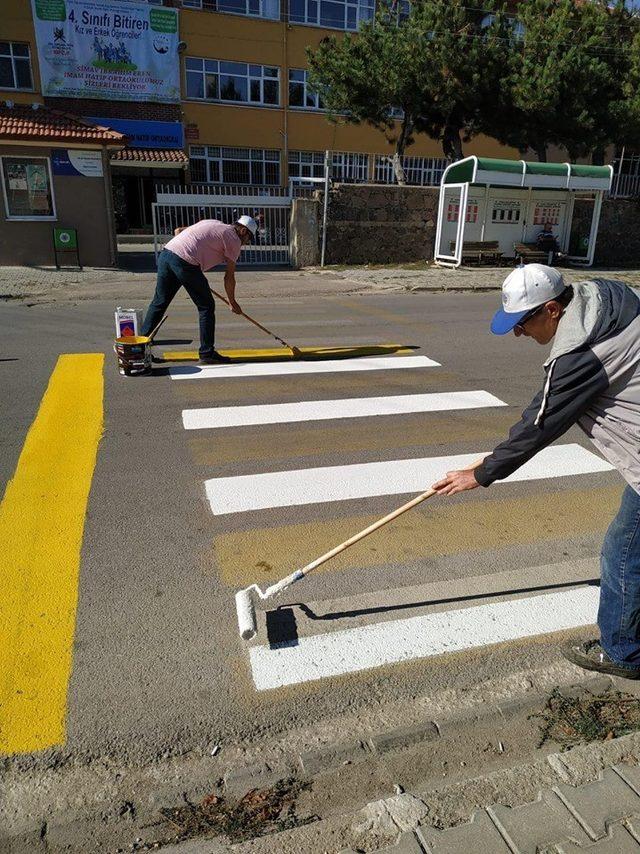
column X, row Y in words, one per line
column 316, row 366
column 393, row 477
column 323, row 410
column 366, row 647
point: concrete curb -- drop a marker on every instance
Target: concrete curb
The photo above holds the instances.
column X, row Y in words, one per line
column 312, row 763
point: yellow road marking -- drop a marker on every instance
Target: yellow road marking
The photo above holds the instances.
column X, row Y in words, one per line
column 282, row 353
column 41, row 526
column 433, row 530
column 313, row 439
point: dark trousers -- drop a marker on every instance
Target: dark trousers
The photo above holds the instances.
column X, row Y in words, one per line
column 173, row 273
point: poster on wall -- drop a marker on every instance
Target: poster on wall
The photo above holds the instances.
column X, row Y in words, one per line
column 17, row 176
column 75, row 162
column 453, row 209
column 37, row 184
column 107, row 49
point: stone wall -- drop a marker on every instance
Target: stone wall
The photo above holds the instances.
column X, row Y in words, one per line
column 618, row 243
column 376, row 224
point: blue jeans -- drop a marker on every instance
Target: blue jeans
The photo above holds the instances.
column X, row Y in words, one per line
column 619, row 611
column 173, row 273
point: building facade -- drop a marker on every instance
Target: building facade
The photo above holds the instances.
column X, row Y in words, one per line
column 245, row 114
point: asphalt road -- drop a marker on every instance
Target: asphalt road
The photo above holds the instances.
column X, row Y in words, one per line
column 158, row 666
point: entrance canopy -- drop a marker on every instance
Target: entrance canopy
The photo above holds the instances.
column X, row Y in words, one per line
column 507, row 203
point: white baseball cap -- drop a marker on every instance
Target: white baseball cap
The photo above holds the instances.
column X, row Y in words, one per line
column 248, row 222
column 526, row 288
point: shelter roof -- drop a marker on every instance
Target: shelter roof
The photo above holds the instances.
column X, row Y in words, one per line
column 152, row 156
column 520, row 173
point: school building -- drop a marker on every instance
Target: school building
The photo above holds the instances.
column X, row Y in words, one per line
column 244, row 114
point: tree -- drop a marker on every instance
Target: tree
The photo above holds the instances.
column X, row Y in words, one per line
column 441, row 66
column 567, row 76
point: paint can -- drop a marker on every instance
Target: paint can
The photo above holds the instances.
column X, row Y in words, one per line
column 128, row 321
column 134, row 354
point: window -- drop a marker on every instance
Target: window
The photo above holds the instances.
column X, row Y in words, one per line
column 349, row 167
column 214, row 164
column 26, row 183
column 255, row 8
column 15, row 66
column 333, row 14
column 424, row 171
column 306, row 164
column 300, row 95
column 232, row 82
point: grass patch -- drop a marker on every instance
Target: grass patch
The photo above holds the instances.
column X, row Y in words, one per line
column 257, row 813
column 572, row 720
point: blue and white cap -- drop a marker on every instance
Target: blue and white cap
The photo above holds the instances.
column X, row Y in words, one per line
column 526, row 288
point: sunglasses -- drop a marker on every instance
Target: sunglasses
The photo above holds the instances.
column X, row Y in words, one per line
column 528, row 317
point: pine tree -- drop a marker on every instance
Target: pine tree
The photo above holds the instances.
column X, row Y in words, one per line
column 441, row 66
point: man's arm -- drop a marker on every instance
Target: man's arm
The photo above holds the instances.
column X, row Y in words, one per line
column 576, row 379
column 230, row 287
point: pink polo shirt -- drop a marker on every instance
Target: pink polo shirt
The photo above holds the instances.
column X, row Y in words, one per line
column 206, row 244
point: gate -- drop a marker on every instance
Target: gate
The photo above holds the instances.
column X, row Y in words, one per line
column 272, row 212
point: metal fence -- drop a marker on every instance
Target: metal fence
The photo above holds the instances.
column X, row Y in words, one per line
column 420, row 171
column 272, row 213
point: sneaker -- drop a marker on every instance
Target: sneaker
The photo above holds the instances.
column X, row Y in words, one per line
column 591, row 656
column 214, row 359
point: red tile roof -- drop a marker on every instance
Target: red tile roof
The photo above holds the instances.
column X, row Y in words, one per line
column 150, row 155
column 22, row 122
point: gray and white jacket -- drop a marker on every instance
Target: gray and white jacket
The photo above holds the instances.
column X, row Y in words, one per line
column 592, row 379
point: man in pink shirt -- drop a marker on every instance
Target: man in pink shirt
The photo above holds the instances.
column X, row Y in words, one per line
column 182, row 262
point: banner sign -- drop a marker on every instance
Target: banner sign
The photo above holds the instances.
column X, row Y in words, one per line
column 144, row 134
column 107, row 49
column 71, row 162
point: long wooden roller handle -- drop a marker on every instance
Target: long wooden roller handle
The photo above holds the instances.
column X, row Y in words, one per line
column 376, row 525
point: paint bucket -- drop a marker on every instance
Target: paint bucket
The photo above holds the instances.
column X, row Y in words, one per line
column 134, row 354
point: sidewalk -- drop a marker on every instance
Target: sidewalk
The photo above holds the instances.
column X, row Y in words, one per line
column 135, row 280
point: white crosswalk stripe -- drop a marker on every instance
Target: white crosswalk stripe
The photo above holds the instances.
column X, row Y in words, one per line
column 365, row 647
column 274, row 369
column 242, row 493
column 323, row 410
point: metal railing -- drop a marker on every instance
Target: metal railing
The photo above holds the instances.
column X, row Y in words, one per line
column 419, row 171
column 272, row 213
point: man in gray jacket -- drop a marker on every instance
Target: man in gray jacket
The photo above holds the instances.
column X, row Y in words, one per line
column 593, row 380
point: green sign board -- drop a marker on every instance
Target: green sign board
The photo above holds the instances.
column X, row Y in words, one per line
column 65, row 238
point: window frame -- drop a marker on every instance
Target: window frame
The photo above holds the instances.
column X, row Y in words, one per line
column 220, row 159
column 359, row 5
column 199, row 6
column 248, row 77
column 294, row 157
column 306, row 93
column 12, row 57
column 12, row 218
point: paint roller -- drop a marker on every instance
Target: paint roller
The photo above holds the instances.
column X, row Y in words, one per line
column 296, row 352
column 245, row 604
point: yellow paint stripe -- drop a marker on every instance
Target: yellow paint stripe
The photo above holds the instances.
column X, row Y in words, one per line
column 285, row 355
column 314, row 439
column 432, row 530
column 41, row 526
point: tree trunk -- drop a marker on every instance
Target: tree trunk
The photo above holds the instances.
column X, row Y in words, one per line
column 541, row 152
column 598, row 155
column 451, row 142
column 401, row 144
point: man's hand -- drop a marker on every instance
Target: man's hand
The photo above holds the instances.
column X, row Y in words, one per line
column 177, row 231
column 234, row 306
column 456, row 481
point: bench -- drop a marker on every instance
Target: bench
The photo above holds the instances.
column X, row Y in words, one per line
column 478, row 250
column 532, row 253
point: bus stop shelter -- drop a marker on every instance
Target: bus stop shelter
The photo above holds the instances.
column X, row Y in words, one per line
column 507, row 203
